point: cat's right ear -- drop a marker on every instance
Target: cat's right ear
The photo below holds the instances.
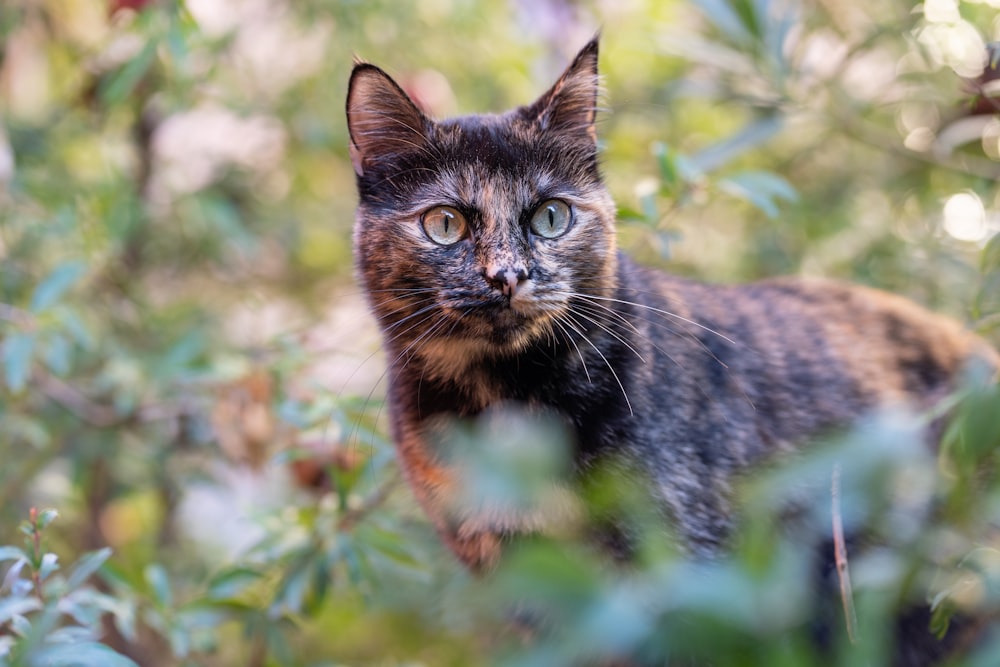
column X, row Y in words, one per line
column 383, row 122
column 570, row 106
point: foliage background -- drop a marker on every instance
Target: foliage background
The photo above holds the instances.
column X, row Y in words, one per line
column 189, row 376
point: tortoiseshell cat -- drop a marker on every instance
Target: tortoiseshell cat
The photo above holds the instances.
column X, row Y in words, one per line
column 487, row 248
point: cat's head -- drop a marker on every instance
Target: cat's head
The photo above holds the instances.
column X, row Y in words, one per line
column 473, row 233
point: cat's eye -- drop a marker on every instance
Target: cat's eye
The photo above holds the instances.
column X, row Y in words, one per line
column 551, row 219
column 444, row 225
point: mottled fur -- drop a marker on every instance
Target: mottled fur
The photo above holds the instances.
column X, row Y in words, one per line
column 694, row 382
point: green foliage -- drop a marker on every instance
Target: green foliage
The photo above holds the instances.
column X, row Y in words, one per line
column 49, row 619
column 175, row 210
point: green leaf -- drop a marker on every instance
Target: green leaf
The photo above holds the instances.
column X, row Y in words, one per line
column 57, row 352
column 177, row 39
column 18, row 349
column 990, row 258
column 232, row 583
column 82, row 654
column 18, row 428
column 11, row 607
column 728, row 21
column 121, row 84
column 86, row 566
column 50, row 564
column 11, row 553
column 628, row 214
column 760, row 189
column 159, row 584
column 667, row 161
column 49, row 291
column 752, row 135
column 75, row 327
column 46, row 517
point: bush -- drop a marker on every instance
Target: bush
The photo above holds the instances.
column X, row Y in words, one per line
column 184, row 376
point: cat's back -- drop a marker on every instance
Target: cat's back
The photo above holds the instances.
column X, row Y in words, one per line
column 798, row 354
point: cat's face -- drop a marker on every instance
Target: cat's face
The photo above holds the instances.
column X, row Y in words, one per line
column 472, row 234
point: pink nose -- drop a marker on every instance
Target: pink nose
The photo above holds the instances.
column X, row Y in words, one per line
column 506, row 279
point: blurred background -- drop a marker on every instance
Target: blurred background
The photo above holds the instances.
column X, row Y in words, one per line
column 188, row 374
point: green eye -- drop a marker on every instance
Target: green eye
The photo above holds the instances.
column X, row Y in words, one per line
column 552, row 219
column 444, row 225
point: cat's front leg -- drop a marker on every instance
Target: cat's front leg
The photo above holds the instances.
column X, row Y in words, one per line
column 439, row 490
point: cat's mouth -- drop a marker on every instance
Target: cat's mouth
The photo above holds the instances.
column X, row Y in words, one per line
column 505, row 321
column 514, row 322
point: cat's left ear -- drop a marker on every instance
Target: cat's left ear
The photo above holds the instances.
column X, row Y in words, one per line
column 570, row 106
column 382, row 120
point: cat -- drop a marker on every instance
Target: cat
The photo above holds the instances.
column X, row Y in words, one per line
column 486, row 246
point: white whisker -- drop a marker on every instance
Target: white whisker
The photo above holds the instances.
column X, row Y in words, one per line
column 601, row 354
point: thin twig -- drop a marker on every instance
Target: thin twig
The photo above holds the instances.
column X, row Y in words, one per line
column 840, row 553
column 76, row 402
column 967, row 164
column 102, row 415
column 9, row 313
column 372, row 502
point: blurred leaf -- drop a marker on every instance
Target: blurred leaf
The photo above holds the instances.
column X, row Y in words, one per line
column 11, row 553
column 76, row 328
column 754, row 134
column 989, row 259
column 85, row 654
column 760, row 189
column 232, row 583
column 17, row 606
column 277, row 644
column 19, row 428
column 46, row 517
column 12, row 579
column 730, row 22
column 120, row 85
column 50, row 290
column 49, row 565
column 18, row 348
column 980, row 423
column 86, row 566
column 159, row 584
column 295, row 584
column 57, row 353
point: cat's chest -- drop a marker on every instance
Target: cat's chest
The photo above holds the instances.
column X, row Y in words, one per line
column 467, row 384
column 541, row 381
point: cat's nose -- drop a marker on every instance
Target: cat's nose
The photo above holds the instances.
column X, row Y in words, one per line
column 505, row 279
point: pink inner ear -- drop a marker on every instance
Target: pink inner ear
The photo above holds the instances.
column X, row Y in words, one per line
column 356, row 160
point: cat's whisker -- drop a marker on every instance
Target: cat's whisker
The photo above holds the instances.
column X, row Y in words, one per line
column 431, row 306
column 578, row 328
column 657, row 310
column 405, row 352
column 592, row 317
column 684, row 334
column 390, row 339
column 382, row 376
column 557, row 321
column 429, row 333
column 646, row 338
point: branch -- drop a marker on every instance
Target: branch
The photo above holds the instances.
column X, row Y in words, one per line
column 967, row 164
column 78, row 403
column 102, row 415
column 353, row 516
column 840, row 554
column 15, row 315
